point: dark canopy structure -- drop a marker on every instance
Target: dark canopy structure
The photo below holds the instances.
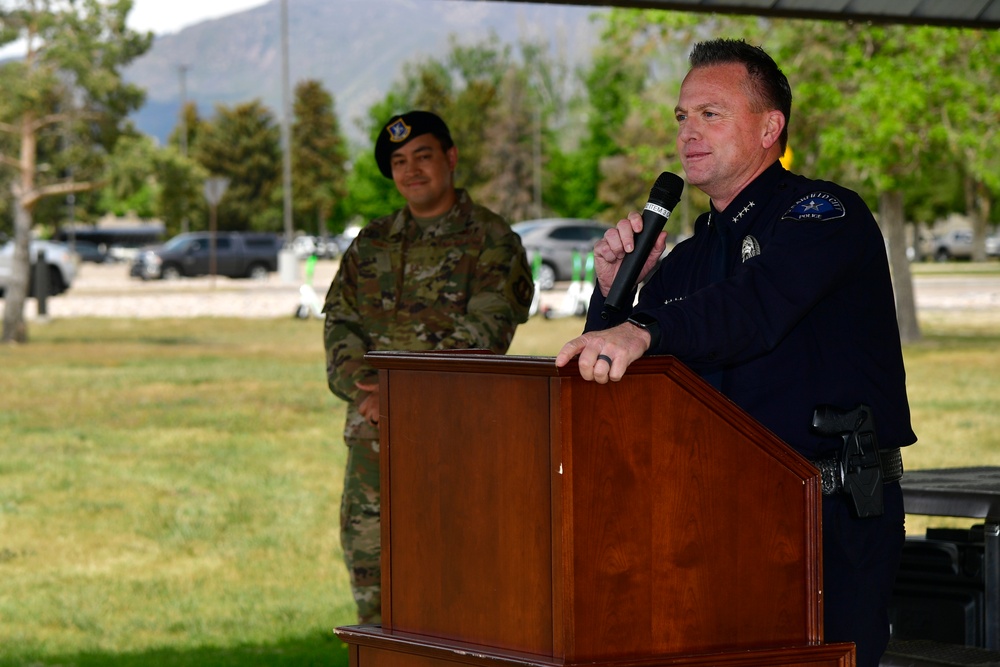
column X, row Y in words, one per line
column 983, row 14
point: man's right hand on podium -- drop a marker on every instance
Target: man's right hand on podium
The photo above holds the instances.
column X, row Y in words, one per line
column 605, row 355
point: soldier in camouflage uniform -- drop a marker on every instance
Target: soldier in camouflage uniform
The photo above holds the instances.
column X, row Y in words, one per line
column 441, row 273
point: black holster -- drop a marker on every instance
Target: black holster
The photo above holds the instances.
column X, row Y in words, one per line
column 860, row 465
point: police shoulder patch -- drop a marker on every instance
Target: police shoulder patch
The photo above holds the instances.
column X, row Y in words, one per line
column 816, row 206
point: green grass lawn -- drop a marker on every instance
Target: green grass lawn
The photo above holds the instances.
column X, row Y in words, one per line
column 169, row 489
column 991, row 267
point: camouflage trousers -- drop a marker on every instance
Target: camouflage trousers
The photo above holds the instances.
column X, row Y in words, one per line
column 360, row 528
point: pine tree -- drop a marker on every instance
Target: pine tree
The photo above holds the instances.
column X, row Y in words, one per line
column 243, row 144
column 319, row 181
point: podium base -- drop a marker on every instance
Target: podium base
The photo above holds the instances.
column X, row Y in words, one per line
column 371, row 646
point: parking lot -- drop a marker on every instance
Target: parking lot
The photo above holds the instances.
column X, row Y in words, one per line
column 106, row 290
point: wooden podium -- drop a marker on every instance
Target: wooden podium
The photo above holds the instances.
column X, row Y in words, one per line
column 532, row 518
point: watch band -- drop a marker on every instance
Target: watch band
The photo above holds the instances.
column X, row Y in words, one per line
column 649, row 323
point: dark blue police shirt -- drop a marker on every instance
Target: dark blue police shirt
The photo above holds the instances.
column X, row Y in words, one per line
column 784, row 301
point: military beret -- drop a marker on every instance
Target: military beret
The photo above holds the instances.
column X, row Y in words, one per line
column 401, row 129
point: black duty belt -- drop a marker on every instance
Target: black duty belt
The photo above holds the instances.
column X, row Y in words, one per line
column 892, row 470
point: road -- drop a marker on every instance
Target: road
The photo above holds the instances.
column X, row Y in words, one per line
column 107, row 291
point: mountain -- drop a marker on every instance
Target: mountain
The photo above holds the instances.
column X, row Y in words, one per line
column 356, row 48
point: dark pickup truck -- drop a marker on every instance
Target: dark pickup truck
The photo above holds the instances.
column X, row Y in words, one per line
column 237, row 255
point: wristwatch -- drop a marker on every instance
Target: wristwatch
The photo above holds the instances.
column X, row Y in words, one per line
column 649, row 323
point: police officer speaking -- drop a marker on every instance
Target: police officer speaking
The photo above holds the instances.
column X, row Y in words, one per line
column 782, row 299
column 440, row 273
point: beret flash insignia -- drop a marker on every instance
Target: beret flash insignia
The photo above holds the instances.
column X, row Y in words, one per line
column 816, row 206
column 398, row 131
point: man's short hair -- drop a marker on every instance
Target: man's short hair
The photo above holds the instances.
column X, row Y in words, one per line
column 768, row 88
column 403, row 128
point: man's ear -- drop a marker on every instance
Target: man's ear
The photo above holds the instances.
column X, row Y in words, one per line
column 452, row 155
column 773, row 128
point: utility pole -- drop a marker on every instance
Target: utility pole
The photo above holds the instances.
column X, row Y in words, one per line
column 288, row 268
column 182, row 70
column 537, row 158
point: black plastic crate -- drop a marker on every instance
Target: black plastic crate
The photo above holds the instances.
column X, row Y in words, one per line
column 939, row 590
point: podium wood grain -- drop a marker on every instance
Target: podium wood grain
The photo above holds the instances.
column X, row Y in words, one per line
column 528, row 512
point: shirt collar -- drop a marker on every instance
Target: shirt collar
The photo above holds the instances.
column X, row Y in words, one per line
column 751, row 198
column 451, row 222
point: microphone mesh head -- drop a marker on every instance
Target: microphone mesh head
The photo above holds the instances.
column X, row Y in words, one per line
column 667, row 190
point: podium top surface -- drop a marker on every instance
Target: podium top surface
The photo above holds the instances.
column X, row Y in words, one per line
column 484, row 361
column 960, row 492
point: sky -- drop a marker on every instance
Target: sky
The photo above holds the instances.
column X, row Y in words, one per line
column 166, row 16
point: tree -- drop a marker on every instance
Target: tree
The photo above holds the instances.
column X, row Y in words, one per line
column 182, row 176
column 877, row 130
column 519, row 132
column 319, row 180
column 151, row 181
column 617, row 78
column 901, row 110
column 970, row 116
column 474, row 74
column 130, row 185
column 65, row 99
column 509, row 165
column 497, row 106
column 188, row 129
column 181, row 181
column 242, row 144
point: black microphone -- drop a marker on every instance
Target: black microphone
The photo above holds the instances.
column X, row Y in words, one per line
column 664, row 195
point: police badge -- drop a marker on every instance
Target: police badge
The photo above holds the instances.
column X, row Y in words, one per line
column 750, row 247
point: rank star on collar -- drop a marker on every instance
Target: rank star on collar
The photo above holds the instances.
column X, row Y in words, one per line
column 746, row 209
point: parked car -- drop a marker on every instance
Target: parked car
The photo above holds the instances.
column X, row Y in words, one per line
column 922, row 248
column 91, row 252
column 304, row 245
column 552, row 244
column 62, row 265
column 323, row 247
column 953, row 244
column 328, row 247
column 237, row 255
column 345, row 238
column 993, row 245
column 120, row 243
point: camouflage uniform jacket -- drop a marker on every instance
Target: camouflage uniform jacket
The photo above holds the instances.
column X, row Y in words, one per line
column 459, row 281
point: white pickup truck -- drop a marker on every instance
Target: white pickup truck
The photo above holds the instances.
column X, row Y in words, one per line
column 62, row 265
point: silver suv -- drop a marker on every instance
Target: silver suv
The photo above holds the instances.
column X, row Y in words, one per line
column 62, row 265
column 954, row 244
column 957, row 244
